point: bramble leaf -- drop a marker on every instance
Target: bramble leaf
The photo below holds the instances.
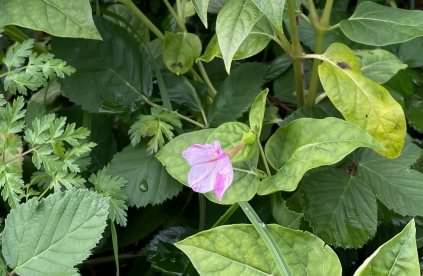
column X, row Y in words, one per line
column 148, row 181
column 52, row 236
column 56, row 17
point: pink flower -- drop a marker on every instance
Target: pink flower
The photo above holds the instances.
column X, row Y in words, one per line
column 211, row 168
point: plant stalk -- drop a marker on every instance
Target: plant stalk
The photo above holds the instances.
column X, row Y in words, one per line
column 296, row 52
column 321, row 26
column 115, row 246
column 267, row 238
column 227, row 215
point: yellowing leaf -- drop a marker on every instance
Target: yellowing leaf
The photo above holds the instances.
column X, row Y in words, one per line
column 361, row 100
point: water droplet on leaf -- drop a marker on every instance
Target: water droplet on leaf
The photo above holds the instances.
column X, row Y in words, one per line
column 144, row 186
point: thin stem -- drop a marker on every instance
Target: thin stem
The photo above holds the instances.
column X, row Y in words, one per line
column 141, row 16
column 44, row 193
column 227, row 215
column 263, row 157
column 203, row 72
column 244, row 171
column 284, row 42
column 296, row 52
column 393, row 4
column 267, row 238
column 115, row 246
column 162, row 88
column 180, row 11
column 185, row 118
column 180, row 23
column 202, row 204
column 17, row 157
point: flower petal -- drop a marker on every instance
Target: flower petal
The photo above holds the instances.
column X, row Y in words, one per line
column 198, row 153
column 201, row 177
column 224, row 177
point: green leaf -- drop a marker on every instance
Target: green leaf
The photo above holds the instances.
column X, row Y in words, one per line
column 414, row 112
column 340, row 206
column 302, row 145
column 57, row 17
column 244, row 185
column 40, row 68
column 113, row 188
column 367, row 104
column 348, row 216
column 379, row 65
column 409, row 52
column 234, row 23
column 233, row 135
column 180, row 50
column 379, row 25
column 237, row 93
column 110, row 70
column 52, row 236
column 238, row 250
column 398, row 256
column 273, row 10
column 283, row 215
column 257, row 111
column 148, row 182
column 158, row 126
column 17, row 54
column 395, row 184
column 201, row 7
column 251, row 46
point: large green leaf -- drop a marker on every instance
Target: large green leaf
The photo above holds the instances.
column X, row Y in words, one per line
column 56, row 17
column 273, row 10
column 238, row 250
column 341, row 207
column 379, row 25
column 251, row 46
column 51, row 236
column 410, row 52
column 302, row 145
column 361, row 100
column 234, row 23
column 379, row 65
column 398, row 256
column 108, row 76
column 237, row 93
column 341, row 202
column 244, row 185
column 180, row 50
column 395, row 184
column 414, row 112
column 201, row 7
column 148, row 181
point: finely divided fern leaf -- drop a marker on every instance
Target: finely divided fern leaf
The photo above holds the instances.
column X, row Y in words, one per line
column 113, row 188
column 27, row 70
column 158, row 126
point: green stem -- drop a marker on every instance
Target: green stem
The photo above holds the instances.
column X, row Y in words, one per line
column 393, row 4
column 321, row 26
column 162, row 88
column 180, row 23
column 142, row 17
column 263, row 157
column 205, row 77
column 180, row 11
column 115, row 246
column 296, row 52
column 202, row 204
column 267, row 238
column 227, row 215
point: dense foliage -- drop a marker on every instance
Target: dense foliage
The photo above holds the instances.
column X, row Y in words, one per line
column 314, row 110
